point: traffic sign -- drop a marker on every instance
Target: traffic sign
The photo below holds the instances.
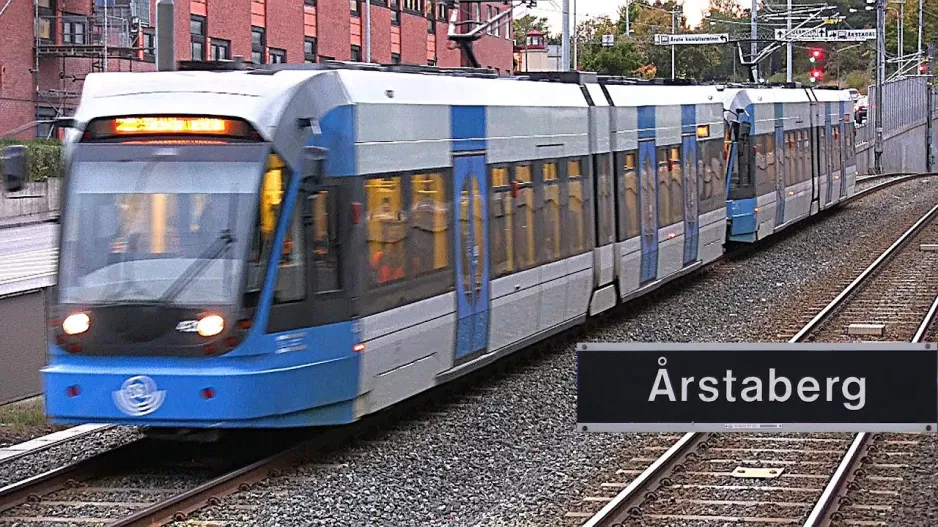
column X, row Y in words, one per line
column 757, row 387
column 609, row 40
column 803, row 35
column 852, row 35
column 699, row 38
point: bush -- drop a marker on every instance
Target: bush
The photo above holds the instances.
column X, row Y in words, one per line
column 43, row 157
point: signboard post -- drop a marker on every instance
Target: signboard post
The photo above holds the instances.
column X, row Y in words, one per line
column 812, row 387
column 684, row 39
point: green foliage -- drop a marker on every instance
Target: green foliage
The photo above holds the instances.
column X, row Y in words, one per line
column 43, row 157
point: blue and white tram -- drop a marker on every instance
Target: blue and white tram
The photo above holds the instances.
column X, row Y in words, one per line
column 214, row 274
column 793, row 156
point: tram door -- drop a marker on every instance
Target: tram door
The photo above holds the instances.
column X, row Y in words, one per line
column 649, row 206
column 470, row 220
column 691, row 209
column 780, row 169
column 827, row 152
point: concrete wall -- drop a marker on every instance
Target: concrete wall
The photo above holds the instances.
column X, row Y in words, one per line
column 36, row 199
column 23, row 345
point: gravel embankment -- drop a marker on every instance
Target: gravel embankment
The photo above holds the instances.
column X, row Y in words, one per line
column 509, row 454
column 65, row 453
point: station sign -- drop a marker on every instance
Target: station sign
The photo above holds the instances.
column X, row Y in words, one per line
column 700, row 38
column 809, row 387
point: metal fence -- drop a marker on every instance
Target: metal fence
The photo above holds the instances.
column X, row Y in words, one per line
column 907, row 125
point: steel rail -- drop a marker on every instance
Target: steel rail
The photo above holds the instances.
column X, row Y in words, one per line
column 864, row 276
column 829, row 504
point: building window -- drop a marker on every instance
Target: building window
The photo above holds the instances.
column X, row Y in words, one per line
column 309, row 50
column 278, row 56
column 395, row 12
column 441, row 12
column 395, row 58
column 149, row 44
column 431, row 19
column 73, row 29
column 324, row 58
column 415, row 6
column 44, row 130
column 488, row 30
column 497, row 27
column 46, row 21
column 356, row 7
column 197, row 29
column 258, row 42
column 356, row 54
column 221, row 49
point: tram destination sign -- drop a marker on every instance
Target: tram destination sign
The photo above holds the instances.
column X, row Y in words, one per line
column 757, row 387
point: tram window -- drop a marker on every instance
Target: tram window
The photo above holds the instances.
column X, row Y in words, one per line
column 705, row 181
column 429, row 221
column 676, row 186
column 770, row 168
column 630, row 179
column 291, row 272
column 272, row 189
column 502, row 242
column 524, row 219
column 551, row 213
column 664, row 190
column 324, row 242
column 387, row 233
column 576, row 207
column 605, row 219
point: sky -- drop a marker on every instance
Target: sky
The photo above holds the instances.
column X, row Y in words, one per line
column 553, row 10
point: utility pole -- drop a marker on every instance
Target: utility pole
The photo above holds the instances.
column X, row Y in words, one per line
column 788, row 62
column 565, row 43
column 755, row 34
column 880, row 77
column 929, row 104
column 674, row 32
column 368, row 30
column 576, row 64
column 628, row 5
column 165, row 60
column 920, row 30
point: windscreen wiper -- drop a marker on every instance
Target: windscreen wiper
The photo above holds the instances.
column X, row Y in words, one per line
column 210, row 254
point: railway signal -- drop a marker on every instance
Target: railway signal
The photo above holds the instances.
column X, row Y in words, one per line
column 815, row 75
column 816, row 55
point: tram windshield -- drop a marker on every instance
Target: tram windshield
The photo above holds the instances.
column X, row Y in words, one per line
column 133, row 228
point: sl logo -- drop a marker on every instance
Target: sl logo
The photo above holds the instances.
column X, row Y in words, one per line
column 138, row 396
column 187, row 326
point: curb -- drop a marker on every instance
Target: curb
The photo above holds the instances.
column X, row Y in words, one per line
column 32, row 219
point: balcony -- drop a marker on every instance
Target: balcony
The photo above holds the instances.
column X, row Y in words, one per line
column 85, row 37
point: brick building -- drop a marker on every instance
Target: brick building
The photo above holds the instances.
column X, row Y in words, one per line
column 41, row 71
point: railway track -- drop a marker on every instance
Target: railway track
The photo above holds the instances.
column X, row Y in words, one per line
column 814, row 480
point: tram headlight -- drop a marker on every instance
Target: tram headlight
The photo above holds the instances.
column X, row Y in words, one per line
column 210, row 326
column 76, row 323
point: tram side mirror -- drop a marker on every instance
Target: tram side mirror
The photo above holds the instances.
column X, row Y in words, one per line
column 314, row 159
column 744, row 129
column 13, row 166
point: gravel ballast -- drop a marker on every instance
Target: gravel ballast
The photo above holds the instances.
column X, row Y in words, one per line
column 508, row 454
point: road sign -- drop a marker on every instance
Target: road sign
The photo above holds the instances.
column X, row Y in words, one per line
column 834, row 20
column 609, row 40
column 803, row 34
column 852, row 35
column 815, row 387
column 700, row 38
